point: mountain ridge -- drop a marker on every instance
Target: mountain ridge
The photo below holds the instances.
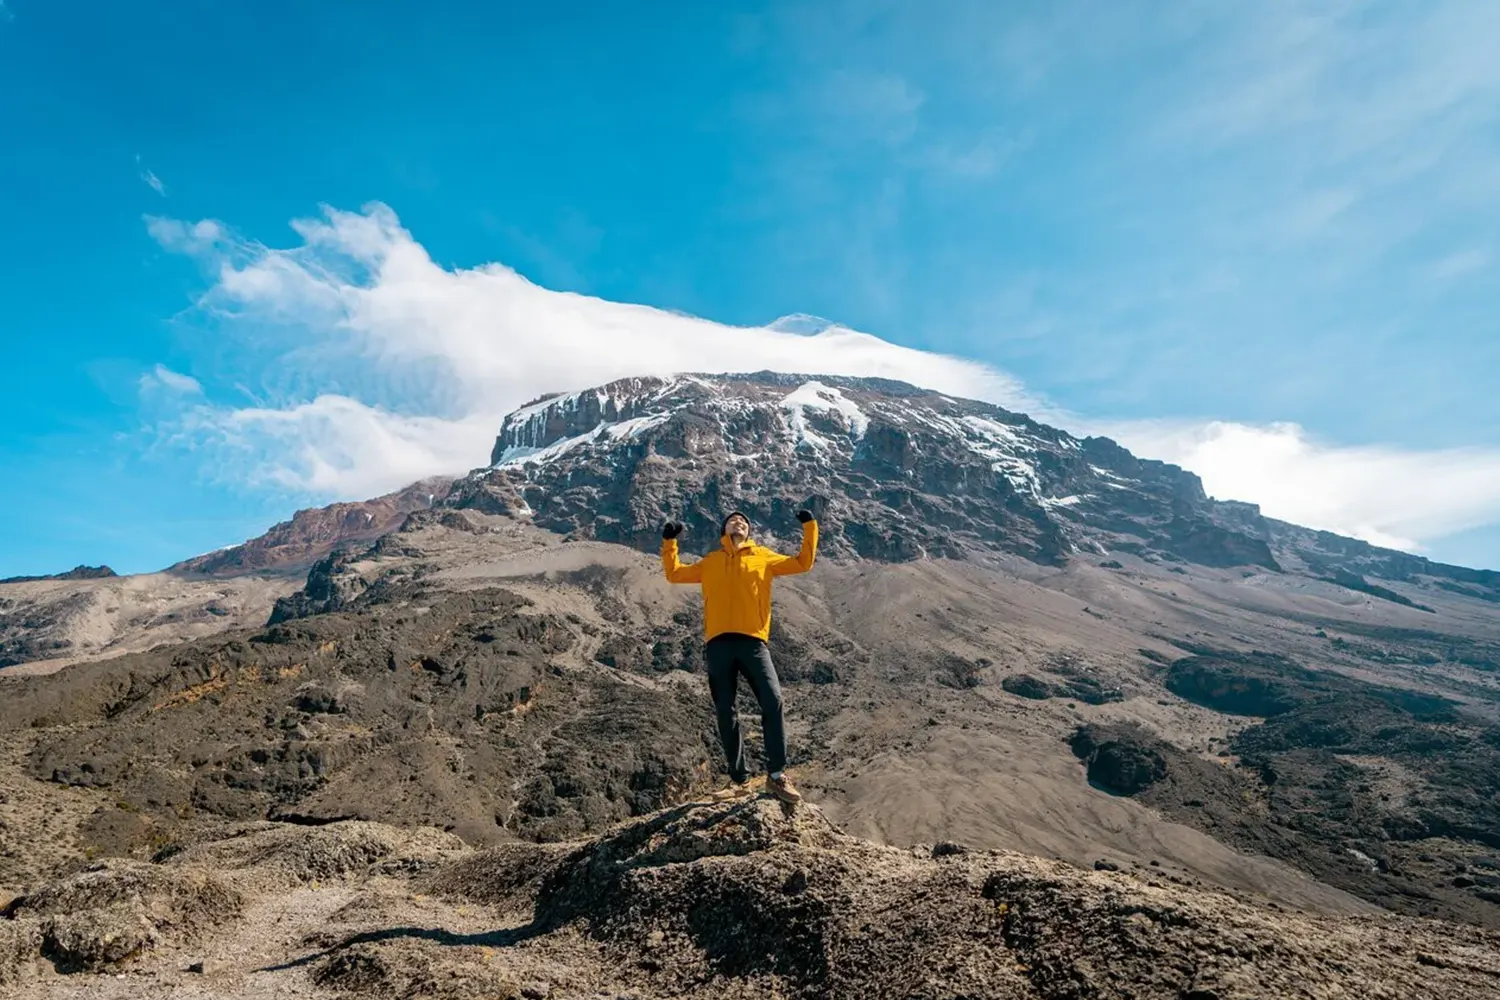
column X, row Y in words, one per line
column 678, row 417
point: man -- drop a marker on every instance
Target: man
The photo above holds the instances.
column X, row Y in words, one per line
column 736, row 582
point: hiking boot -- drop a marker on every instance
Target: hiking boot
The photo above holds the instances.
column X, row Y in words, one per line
column 781, row 786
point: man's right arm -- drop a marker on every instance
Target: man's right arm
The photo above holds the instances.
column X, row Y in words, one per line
column 675, row 570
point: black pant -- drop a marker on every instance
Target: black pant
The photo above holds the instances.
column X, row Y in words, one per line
column 728, row 656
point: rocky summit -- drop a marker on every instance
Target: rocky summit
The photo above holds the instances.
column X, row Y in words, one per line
column 1067, row 727
column 902, row 473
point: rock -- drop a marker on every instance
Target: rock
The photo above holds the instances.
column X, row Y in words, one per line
column 712, row 879
column 118, row 910
column 313, row 533
column 1027, row 686
column 1125, row 768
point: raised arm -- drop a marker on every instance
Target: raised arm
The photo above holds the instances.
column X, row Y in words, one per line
column 803, row 560
column 676, row 571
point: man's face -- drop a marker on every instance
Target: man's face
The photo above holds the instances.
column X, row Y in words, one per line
column 737, row 528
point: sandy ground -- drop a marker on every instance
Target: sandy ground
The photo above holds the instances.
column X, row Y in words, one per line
column 117, row 615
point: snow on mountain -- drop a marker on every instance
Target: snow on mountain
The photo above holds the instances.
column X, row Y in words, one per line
column 903, row 472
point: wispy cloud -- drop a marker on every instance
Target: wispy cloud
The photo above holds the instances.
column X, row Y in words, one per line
column 162, row 377
column 1461, row 264
column 150, row 179
column 409, row 367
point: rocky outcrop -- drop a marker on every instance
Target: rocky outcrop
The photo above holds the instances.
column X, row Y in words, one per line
column 76, row 573
column 332, row 585
column 749, row 899
column 745, row 899
column 312, row 534
column 113, row 913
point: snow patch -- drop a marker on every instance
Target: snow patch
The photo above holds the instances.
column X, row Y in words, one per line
column 635, row 426
column 824, row 398
column 520, row 455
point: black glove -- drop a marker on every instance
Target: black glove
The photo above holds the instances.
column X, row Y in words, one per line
column 804, row 516
column 671, row 529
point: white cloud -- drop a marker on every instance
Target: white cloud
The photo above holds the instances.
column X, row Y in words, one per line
column 340, row 447
column 440, row 356
column 180, row 237
column 407, row 369
column 1387, row 496
column 162, row 377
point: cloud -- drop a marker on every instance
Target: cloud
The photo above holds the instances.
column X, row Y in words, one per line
column 151, row 180
column 384, row 367
column 180, row 237
column 336, row 446
column 429, row 360
column 162, row 377
column 1387, row 496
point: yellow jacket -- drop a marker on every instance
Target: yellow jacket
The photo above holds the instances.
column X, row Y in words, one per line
column 737, row 581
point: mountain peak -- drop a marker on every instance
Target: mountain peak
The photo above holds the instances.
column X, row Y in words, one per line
column 904, row 472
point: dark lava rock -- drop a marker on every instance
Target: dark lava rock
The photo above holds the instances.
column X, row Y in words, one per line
column 1254, row 684
column 1122, row 760
column 1027, row 686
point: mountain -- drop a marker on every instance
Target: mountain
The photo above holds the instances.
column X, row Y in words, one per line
column 311, row 534
column 1014, row 640
column 903, row 473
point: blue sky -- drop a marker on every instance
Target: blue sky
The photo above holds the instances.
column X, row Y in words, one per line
column 1259, row 239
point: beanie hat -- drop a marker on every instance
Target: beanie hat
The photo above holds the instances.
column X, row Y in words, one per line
column 725, row 523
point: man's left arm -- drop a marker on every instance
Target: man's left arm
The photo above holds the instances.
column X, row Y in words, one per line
column 803, row 560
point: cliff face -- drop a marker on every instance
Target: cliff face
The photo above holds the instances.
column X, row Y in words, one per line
column 902, row 472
